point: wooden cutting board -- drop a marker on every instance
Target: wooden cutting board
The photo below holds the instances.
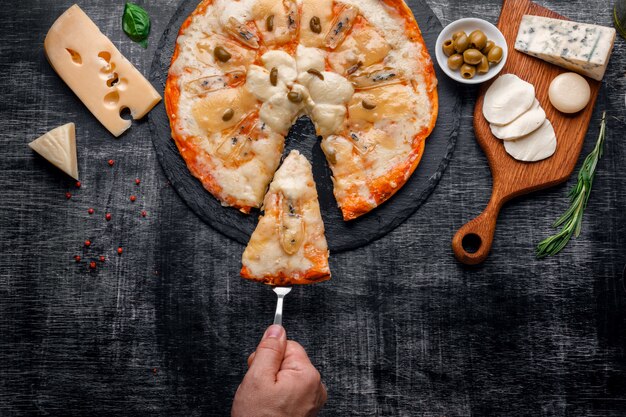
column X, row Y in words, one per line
column 512, row 178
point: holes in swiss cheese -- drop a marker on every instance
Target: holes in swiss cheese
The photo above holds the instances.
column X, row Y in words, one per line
column 107, row 66
column 125, row 113
column 78, row 60
column 111, row 99
column 105, row 55
column 113, row 80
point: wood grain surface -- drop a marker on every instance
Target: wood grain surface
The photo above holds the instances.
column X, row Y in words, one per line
column 512, row 178
column 402, row 329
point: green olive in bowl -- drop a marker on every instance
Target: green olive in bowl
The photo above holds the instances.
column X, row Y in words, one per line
column 457, row 34
column 483, row 66
column 488, row 46
column 495, row 55
column 468, row 71
column 455, row 61
column 448, row 47
column 477, row 39
column 461, row 43
column 472, row 56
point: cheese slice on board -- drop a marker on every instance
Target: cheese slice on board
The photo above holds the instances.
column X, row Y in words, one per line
column 538, row 145
column 58, row 146
column 105, row 81
column 578, row 47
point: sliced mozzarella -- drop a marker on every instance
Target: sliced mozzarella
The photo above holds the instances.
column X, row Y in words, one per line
column 284, row 63
column 507, row 98
column 258, row 82
column 536, row 146
column 523, row 125
column 58, row 146
column 569, row 92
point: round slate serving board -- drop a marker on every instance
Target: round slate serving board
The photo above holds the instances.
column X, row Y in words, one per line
column 340, row 235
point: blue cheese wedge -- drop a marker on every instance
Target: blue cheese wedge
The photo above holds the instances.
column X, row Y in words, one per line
column 578, row 47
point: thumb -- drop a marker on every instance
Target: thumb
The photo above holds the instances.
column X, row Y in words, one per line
column 270, row 353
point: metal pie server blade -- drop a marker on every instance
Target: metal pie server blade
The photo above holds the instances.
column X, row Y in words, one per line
column 281, row 292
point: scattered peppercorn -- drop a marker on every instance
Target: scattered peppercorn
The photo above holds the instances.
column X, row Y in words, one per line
column 120, row 250
column 133, row 198
column 78, row 184
column 137, row 181
column 90, row 211
column 111, row 162
column 77, row 258
column 87, row 243
column 92, row 265
column 107, row 216
column 102, row 258
column 144, row 213
column 68, row 195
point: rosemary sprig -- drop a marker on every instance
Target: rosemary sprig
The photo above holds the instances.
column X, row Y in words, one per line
column 571, row 221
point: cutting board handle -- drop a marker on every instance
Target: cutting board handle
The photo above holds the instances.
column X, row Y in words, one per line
column 472, row 243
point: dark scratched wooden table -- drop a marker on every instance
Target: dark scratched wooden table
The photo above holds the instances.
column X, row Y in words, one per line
column 401, row 330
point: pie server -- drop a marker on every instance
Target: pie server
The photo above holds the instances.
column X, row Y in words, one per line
column 281, row 292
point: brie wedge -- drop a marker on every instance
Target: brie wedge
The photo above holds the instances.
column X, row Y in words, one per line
column 58, row 146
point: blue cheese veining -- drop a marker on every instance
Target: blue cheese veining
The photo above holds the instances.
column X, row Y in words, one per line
column 579, row 47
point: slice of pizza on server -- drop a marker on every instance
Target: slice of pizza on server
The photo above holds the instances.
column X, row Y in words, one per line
column 288, row 246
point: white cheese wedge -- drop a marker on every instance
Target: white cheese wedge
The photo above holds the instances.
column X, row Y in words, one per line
column 58, row 146
column 104, row 80
column 507, row 98
column 569, row 92
column 536, row 146
column 579, row 47
column 528, row 122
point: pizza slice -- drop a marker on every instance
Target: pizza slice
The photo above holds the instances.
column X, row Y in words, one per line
column 288, row 246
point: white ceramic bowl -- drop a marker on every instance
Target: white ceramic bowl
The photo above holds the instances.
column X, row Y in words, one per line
column 468, row 25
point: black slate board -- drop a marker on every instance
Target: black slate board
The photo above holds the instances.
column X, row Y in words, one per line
column 341, row 235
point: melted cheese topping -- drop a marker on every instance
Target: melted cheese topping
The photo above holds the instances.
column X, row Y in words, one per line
column 361, row 144
column 328, row 118
column 323, row 97
column 258, row 82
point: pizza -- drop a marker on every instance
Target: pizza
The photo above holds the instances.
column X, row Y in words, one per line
column 288, row 246
column 244, row 70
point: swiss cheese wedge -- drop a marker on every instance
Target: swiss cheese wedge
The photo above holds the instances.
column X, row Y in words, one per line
column 288, row 246
column 104, row 80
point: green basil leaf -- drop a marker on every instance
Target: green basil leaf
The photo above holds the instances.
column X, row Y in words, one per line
column 136, row 23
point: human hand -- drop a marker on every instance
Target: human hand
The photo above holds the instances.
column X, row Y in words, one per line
column 281, row 380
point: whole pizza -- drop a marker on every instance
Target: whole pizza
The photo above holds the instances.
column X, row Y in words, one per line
column 243, row 71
